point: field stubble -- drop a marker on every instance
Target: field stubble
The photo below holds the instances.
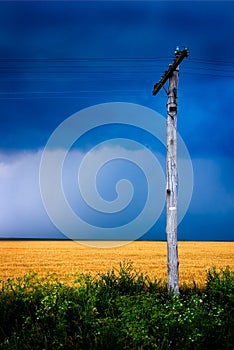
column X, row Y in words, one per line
column 67, row 258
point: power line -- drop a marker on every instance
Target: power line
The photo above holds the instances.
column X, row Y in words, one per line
column 93, row 59
column 88, row 70
column 107, row 59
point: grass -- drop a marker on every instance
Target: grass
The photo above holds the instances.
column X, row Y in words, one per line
column 69, row 258
column 62, row 295
column 118, row 309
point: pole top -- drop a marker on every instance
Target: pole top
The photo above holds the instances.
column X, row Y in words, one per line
column 181, row 51
column 180, row 54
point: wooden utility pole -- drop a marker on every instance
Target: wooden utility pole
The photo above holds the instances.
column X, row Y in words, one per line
column 171, row 185
column 172, row 74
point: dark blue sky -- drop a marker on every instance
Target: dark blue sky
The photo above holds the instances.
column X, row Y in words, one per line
column 57, row 58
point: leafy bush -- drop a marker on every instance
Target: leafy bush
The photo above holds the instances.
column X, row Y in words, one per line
column 122, row 309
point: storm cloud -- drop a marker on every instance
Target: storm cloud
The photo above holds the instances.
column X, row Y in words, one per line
column 60, row 57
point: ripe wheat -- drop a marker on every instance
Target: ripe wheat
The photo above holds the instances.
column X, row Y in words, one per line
column 67, row 258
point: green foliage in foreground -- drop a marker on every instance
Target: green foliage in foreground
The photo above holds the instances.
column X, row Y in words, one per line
column 118, row 310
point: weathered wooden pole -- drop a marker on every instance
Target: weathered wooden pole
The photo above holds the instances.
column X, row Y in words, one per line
column 171, row 185
column 172, row 74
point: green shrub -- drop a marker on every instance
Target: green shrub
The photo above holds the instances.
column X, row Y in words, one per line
column 122, row 309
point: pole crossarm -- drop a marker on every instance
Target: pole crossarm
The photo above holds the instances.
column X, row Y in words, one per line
column 180, row 55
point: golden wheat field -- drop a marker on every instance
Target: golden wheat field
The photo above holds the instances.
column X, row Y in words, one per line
column 67, row 258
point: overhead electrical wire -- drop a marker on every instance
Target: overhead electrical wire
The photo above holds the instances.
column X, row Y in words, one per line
column 88, row 69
